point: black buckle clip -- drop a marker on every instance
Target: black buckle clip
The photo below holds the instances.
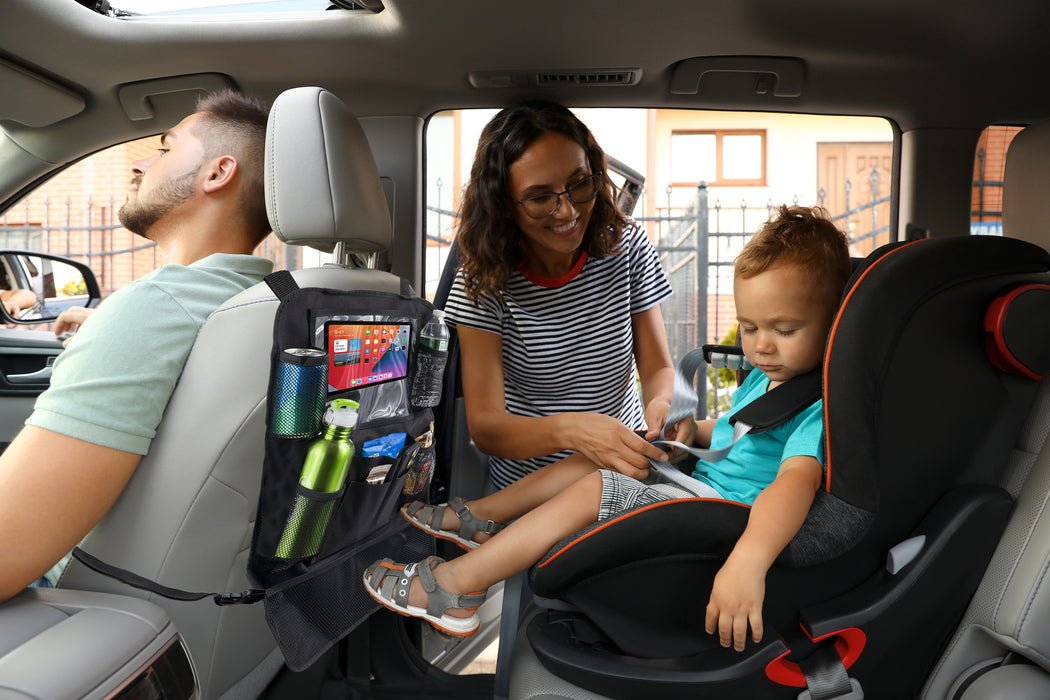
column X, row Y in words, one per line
column 253, row 595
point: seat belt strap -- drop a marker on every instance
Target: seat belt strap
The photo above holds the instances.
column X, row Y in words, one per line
column 773, row 408
column 767, row 411
column 826, row 677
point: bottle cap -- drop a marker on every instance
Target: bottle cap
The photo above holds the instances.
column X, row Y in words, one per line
column 341, row 413
column 439, row 315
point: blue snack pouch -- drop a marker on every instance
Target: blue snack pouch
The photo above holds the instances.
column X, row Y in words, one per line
column 384, row 446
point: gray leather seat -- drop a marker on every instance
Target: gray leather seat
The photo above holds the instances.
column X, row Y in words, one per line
column 1002, row 646
column 186, row 518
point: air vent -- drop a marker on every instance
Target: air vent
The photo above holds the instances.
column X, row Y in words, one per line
column 624, row 77
column 554, row 78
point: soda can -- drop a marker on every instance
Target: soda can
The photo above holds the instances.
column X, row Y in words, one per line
column 299, row 392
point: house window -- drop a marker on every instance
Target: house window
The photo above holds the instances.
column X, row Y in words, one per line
column 719, row 158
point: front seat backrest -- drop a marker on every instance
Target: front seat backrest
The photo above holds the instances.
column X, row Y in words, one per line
column 185, row 519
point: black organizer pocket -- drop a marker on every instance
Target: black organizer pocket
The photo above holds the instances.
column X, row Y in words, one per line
column 315, row 598
column 354, row 513
column 308, row 522
column 364, row 509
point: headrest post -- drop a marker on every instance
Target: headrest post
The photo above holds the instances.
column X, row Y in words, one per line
column 339, row 254
column 370, row 260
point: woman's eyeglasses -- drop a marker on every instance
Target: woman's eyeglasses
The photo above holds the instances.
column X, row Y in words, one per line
column 540, row 206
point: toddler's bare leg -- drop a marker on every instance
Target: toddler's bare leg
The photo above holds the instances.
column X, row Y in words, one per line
column 521, row 544
column 525, row 494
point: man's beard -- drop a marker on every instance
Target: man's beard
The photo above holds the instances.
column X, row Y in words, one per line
column 139, row 215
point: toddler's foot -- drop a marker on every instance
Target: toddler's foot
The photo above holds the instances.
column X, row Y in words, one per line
column 414, row 590
column 452, row 521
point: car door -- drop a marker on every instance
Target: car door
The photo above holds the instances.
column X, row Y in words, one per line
column 28, row 346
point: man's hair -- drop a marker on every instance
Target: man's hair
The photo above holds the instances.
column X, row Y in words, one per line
column 489, row 239
column 803, row 236
column 235, row 124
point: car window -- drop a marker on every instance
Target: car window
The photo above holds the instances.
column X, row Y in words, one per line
column 75, row 214
column 710, row 179
column 989, row 166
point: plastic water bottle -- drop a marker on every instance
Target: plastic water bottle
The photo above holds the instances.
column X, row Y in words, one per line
column 324, row 472
column 430, row 362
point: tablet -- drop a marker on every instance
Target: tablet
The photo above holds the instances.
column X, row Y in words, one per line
column 364, row 354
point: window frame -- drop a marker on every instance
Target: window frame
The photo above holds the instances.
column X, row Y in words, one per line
column 719, row 135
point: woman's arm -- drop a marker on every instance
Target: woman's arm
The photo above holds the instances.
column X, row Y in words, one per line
column 656, row 374
column 603, row 439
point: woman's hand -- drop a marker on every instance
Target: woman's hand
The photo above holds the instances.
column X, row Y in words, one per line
column 656, row 417
column 610, row 444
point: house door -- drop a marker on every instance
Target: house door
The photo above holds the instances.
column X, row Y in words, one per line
column 853, row 180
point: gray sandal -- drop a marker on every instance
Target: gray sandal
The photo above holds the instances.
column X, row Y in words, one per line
column 422, row 516
column 388, row 583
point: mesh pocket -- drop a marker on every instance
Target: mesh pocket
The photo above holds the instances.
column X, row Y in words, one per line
column 311, row 614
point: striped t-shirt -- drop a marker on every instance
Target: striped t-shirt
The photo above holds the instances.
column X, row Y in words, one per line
column 568, row 343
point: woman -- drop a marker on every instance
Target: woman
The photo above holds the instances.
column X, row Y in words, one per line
column 556, row 302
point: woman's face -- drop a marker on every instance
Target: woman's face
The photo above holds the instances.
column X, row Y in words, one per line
column 550, row 165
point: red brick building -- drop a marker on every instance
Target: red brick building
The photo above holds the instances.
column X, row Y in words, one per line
column 75, row 214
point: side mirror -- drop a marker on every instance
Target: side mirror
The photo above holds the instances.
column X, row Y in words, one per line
column 37, row 287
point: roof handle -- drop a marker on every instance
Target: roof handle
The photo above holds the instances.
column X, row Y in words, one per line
column 781, row 76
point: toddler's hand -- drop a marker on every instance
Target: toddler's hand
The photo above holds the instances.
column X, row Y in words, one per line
column 736, row 601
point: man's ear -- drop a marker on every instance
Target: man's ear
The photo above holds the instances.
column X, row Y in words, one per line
column 219, row 173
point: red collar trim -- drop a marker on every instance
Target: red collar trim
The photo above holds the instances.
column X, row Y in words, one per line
column 553, row 281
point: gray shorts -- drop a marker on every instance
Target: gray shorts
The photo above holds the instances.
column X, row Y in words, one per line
column 620, row 493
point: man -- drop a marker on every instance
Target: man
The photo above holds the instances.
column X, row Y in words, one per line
column 200, row 199
column 14, row 300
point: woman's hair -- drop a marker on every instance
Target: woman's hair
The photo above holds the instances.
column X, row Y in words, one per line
column 489, row 238
column 800, row 236
column 235, row 123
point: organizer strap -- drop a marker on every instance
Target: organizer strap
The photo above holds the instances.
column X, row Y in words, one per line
column 252, row 595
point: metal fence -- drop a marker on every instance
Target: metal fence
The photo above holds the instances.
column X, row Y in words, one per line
column 697, row 245
column 88, row 231
column 697, row 249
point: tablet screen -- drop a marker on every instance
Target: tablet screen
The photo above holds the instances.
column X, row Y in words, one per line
column 362, row 354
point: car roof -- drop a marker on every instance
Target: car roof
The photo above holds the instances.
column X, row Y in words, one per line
column 917, row 63
column 71, row 74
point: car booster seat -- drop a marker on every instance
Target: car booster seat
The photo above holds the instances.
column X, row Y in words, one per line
column 928, row 375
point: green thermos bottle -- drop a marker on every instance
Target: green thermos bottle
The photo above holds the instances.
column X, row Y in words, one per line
column 324, row 473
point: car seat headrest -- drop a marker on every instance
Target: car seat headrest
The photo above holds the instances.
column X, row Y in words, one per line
column 322, row 184
column 1025, row 183
column 926, row 298
column 1015, row 331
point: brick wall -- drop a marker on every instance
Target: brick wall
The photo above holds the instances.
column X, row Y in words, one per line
column 75, row 214
column 988, row 198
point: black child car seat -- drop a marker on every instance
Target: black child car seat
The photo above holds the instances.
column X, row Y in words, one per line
column 919, row 423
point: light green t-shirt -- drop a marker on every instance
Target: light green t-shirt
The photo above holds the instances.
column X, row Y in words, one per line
column 110, row 386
